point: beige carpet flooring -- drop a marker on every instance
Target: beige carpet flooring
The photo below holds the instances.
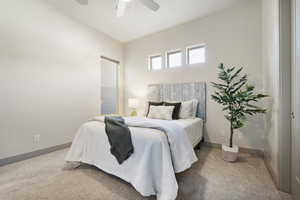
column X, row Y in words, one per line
column 42, row 178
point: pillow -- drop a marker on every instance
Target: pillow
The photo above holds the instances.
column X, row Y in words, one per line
column 151, row 103
column 187, row 110
column 190, row 113
column 161, row 112
column 176, row 111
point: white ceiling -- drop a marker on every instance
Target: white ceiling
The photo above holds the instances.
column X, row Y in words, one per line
column 138, row 20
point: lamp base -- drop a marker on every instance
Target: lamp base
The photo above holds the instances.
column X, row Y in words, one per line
column 133, row 113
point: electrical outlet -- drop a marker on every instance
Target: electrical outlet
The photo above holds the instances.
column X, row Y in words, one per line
column 36, row 138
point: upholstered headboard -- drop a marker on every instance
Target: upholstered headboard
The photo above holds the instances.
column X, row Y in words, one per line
column 180, row 92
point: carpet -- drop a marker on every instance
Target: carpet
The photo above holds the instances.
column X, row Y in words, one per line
column 43, row 178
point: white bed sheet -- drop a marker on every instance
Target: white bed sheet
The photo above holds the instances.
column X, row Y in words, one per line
column 193, row 128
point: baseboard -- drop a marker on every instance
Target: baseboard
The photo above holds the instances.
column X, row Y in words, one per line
column 241, row 149
column 272, row 172
column 17, row 158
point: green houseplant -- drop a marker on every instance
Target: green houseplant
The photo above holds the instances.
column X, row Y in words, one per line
column 237, row 98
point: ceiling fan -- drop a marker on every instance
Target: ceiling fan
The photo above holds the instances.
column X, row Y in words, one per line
column 83, row 2
column 122, row 4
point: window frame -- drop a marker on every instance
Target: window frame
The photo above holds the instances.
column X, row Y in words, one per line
column 170, row 52
column 197, row 46
column 150, row 62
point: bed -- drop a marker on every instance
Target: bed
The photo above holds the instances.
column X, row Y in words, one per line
column 161, row 148
column 193, row 128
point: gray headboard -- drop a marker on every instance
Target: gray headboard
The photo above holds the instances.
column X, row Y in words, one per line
column 180, row 92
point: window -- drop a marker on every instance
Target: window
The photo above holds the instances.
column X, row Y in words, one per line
column 155, row 62
column 174, row 58
column 196, row 54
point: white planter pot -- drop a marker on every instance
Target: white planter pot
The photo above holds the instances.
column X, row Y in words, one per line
column 230, row 154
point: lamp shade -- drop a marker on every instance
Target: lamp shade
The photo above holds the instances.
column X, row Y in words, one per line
column 133, row 103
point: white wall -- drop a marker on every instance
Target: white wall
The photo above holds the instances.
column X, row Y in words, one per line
column 270, row 62
column 233, row 36
column 49, row 75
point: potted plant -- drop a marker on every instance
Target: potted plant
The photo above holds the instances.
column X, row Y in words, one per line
column 236, row 97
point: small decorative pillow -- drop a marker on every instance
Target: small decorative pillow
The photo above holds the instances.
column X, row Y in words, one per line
column 161, row 112
column 187, row 110
column 152, row 103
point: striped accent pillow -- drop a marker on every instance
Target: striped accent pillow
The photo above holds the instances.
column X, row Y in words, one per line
column 161, row 112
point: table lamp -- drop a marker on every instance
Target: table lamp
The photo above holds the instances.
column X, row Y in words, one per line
column 134, row 104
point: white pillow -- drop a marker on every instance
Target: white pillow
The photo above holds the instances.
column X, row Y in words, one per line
column 161, row 112
column 188, row 109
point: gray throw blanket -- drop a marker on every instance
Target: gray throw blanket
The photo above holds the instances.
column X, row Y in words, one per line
column 119, row 137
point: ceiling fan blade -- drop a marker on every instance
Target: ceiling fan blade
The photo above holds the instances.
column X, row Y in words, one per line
column 121, row 7
column 150, row 4
column 82, row 2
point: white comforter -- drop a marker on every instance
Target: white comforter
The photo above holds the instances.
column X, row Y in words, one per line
column 161, row 149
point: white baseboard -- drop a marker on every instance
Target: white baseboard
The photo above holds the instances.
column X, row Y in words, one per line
column 256, row 152
column 17, row 158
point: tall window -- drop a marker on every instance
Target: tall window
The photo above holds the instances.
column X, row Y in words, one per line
column 174, row 58
column 155, row 62
column 196, row 54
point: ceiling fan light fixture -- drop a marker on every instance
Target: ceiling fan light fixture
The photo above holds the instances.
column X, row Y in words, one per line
column 122, row 4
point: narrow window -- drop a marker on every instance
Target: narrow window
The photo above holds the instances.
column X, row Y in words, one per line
column 155, row 62
column 196, row 54
column 174, row 59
